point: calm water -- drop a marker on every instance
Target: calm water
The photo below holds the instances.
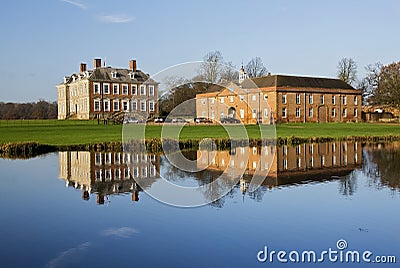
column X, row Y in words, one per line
column 84, row 209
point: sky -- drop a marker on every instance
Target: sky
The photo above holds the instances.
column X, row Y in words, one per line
column 44, row 40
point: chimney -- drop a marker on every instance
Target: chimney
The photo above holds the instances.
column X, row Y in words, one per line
column 132, row 65
column 82, row 67
column 97, row 63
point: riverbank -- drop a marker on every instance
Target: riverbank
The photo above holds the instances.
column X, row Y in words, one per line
column 68, row 133
column 20, row 139
column 25, row 150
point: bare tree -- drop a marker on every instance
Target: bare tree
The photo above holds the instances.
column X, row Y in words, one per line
column 212, row 67
column 256, row 68
column 347, row 70
column 229, row 72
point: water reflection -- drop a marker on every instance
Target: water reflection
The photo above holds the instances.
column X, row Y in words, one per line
column 382, row 165
column 107, row 173
column 110, row 173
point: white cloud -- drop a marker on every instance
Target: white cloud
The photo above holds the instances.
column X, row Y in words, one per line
column 123, row 232
column 68, row 255
column 77, row 4
column 116, row 18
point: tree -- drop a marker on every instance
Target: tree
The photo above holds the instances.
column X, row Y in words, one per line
column 369, row 84
column 215, row 70
column 347, row 70
column 387, row 91
column 212, row 67
column 256, row 68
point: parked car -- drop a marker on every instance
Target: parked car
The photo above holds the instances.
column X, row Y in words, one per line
column 131, row 121
column 230, row 120
column 179, row 120
column 158, row 120
column 202, row 120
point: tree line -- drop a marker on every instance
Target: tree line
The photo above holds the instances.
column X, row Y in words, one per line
column 380, row 85
column 33, row 110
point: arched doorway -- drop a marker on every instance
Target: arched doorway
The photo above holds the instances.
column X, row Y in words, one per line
column 322, row 114
column 232, row 112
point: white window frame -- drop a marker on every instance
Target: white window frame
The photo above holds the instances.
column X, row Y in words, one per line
column 203, row 101
column 265, row 97
column 284, row 113
column 143, row 106
column 125, row 103
column 151, row 90
column 254, row 97
column 284, row 98
column 125, row 89
column 355, row 100
column 222, row 99
column 97, row 101
column 152, row 106
column 106, row 86
column 322, row 99
column 355, row 113
column 142, row 90
column 134, row 89
column 298, row 113
column 231, row 99
column 266, row 112
column 333, row 112
column 106, row 104
column 310, row 99
column 298, row 100
column 344, row 112
column 134, row 106
column 344, row 100
column 116, row 89
column 241, row 97
column 242, row 113
column 333, row 100
column 98, row 88
column 310, row 112
column 116, row 105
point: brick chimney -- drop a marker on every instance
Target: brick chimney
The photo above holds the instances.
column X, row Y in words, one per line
column 82, row 67
column 132, row 65
column 97, row 63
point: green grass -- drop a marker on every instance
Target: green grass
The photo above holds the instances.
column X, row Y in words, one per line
column 55, row 132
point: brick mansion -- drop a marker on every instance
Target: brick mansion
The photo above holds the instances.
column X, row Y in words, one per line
column 282, row 98
column 106, row 92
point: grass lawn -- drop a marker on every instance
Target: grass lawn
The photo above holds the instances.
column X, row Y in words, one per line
column 55, row 132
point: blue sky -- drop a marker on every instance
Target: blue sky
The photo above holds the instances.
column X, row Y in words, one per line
column 44, row 40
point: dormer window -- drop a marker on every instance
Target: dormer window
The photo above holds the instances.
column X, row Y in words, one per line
column 73, row 78
column 65, row 79
column 132, row 75
column 114, row 74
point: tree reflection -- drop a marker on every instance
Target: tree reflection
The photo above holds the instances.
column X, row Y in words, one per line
column 348, row 184
column 382, row 165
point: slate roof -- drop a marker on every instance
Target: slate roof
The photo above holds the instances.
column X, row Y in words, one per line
column 103, row 74
column 295, row 81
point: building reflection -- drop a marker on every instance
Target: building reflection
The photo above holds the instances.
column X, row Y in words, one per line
column 108, row 173
column 285, row 165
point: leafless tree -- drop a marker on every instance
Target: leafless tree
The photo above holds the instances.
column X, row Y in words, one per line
column 212, row 67
column 255, row 68
column 347, row 70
